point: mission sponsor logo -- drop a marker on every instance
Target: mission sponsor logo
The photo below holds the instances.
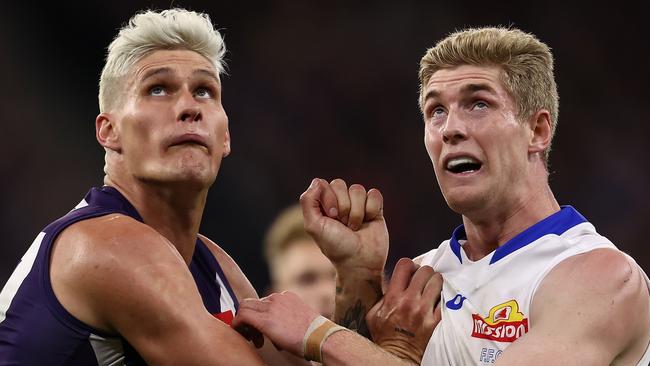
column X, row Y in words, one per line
column 503, row 324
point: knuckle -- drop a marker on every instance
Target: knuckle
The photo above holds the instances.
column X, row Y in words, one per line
column 304, row 196
column 426, row 271
column 407, row 306
column 404, row 263
column 391, row 299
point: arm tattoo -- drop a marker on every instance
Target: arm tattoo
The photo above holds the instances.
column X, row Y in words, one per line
column 355, row 319
column 353, row 316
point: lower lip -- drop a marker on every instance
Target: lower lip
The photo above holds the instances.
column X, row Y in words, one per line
column 188, row 144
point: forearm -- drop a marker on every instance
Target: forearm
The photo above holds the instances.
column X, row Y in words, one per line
column 357, row 291
column 274, row 357
column 349, row 349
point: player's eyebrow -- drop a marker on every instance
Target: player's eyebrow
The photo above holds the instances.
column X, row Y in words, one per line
column 167, row 70
column 465, row 89
column 156, row 71
column 209, row 73
column 431, row 94
column 476, row 87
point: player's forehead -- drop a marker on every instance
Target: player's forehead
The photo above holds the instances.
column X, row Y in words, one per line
column 464, row 79
column 180, row 63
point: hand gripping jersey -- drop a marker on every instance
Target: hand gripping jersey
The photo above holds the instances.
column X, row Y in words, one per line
column 35, row 329
column 486, row 303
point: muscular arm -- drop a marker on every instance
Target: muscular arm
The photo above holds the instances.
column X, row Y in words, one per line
column 592, row 309
column 122, row 277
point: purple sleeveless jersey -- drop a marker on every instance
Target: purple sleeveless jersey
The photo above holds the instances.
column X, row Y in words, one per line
column 35, row 329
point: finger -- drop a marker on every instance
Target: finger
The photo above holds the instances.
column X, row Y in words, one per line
column 374, row 205
column 310, row 205
column 420, row 280
column 401, row 277
column 357, row 206
column 250, row 334
column 433, row 288
column 318, row 199
column 328, row 200
column 437, row 313
column 247, row 322
column 340, row 189
column 257, row 305
column 375, row 310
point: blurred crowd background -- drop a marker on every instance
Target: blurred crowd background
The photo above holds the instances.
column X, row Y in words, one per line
column 324, row 89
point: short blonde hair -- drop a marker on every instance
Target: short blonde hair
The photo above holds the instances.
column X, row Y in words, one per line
column 287, row 228
column 150, row 31
column 527, row 65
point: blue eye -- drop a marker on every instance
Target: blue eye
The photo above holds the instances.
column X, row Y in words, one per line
column 203, row 93
column 157, row 91
column 480, row 105
column 437, row 112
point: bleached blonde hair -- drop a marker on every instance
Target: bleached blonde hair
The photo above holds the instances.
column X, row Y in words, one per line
column 526, row 62
column 149, row 31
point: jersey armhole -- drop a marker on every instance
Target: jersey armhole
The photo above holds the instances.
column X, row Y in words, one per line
column 51, row 301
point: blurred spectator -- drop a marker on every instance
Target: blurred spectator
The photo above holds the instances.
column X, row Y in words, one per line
column 296, row 263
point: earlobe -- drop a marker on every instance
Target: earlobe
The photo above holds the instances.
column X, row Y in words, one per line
column 226, row 144
column 541, row 132
column 106, row 133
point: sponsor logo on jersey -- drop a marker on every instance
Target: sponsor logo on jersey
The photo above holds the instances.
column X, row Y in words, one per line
column 456, row 303
column 504, row 323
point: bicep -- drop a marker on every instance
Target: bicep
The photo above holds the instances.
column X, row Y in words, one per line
column 144, row 291
column 555, row 345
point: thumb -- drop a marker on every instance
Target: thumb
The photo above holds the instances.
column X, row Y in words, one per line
column 310, row 204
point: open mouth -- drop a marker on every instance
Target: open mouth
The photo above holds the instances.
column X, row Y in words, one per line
column 463, row 165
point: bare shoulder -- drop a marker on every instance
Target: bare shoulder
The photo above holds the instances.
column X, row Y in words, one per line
column 597, row 272
column 601, row 292
column 97, row 262
column 114, row 241
column 238, row 280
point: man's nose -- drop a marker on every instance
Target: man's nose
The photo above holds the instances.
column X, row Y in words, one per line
column 189, row 109
column 454, row 130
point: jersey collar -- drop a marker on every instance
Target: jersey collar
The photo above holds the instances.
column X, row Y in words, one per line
column 557, row 224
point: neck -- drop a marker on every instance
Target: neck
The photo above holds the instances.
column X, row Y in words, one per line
column 485, row 233
column 173, row 211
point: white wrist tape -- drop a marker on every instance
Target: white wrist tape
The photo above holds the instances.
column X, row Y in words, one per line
column 318, row 331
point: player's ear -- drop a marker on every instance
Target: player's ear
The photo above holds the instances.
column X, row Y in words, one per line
column 106, row 132
column 226, row 143
column 541, row 133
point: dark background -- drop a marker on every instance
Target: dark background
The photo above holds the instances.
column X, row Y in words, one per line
column 325, row 89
